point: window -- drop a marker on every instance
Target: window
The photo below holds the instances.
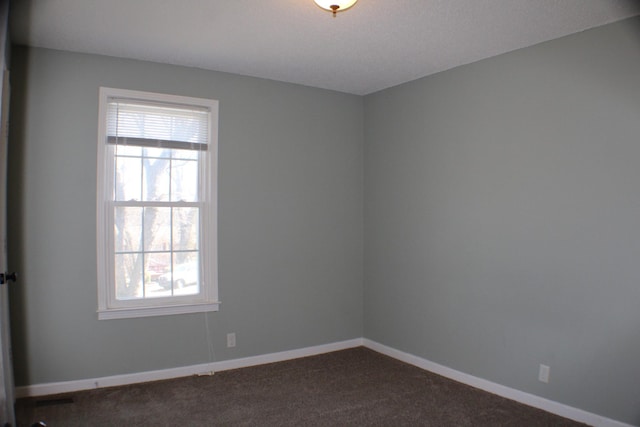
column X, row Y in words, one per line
column 156, row 208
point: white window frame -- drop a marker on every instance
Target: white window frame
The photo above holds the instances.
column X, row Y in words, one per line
column 207, row 299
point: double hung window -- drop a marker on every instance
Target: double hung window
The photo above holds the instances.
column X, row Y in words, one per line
column 157, row 245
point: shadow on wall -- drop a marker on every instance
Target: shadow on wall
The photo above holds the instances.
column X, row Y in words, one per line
column 15, row 213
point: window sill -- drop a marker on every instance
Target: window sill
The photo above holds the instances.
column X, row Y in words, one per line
column 127, row 313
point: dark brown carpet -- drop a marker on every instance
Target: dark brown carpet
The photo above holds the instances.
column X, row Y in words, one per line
column 356, row 387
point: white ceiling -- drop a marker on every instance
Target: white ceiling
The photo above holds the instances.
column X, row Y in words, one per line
column 372, row 46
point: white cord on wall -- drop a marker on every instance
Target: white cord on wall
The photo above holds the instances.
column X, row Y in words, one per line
column 212, row 355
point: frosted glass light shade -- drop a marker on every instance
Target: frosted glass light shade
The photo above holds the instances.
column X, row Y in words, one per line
column 335, row 5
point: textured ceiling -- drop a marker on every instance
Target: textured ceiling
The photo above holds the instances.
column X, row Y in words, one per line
column 372, row 46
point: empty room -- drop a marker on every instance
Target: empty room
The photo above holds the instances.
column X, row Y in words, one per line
column 306, row 212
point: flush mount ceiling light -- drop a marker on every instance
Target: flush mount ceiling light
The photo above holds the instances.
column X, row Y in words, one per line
column 335, row 5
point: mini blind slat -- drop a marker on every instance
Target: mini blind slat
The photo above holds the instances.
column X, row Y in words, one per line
column 134, row 122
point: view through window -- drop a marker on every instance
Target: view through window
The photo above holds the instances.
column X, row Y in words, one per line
column 157, row 167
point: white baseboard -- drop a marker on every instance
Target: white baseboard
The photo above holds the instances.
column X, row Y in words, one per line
column 208, row 368
column 165, row 374
column 498, row 389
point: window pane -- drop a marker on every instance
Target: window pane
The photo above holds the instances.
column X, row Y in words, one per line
column 128, row 274
column 186, row 274
column 157, row 275
column 161, row 264
column 157, row 229
column 157, row 152
column 184, row 180
column 157, row 265
column 128, row 150
column 185, row 229
column 185, row 154
column 156, row 179
column 128, row 175
column 127, row 229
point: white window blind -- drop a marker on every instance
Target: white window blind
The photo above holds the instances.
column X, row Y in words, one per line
column 148, row 124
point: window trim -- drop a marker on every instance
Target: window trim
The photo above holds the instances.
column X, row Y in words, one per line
column 207, row 299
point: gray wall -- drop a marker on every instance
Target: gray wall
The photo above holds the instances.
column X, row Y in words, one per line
column 502, row 219
column 290, row 219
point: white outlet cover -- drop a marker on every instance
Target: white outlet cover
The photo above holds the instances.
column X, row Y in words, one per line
column 543, row 374
column 231, row 340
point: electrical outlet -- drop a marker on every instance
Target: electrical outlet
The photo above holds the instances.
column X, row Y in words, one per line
column 231, row 339
column 543, row 374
